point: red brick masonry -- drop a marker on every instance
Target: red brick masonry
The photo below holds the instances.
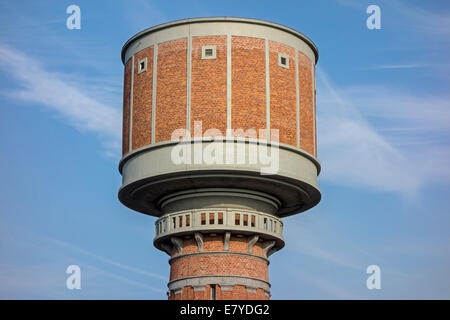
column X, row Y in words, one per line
column 209, row 91
column 213, row 263
column 142, row 100
column 209, row 84
column 171, row 88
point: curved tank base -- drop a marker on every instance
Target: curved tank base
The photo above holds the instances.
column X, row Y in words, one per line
column 155, row 182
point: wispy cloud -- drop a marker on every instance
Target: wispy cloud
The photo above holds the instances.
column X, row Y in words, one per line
column 68, row 99
column 333, row 266
column 126, row 280
column 330, row 288
column 434, row 23
column 430, row 112
column 49, row 257
column 140, row 14
column 399, row 66
column 353, row 153
column 47, row 281
column 109, row 261
column 19, row 281
column 422, row 20
column 366, row 133
column 305, row 236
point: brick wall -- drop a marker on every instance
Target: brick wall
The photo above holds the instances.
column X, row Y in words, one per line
column 306, row 103
column 209, row 91
column 142, row 100
column 283, row 97
column 218, row 264
column 171, row 88
column 248, row 83
column 215, row 243
column 214, row 263
column 209, row 84
column 237, row 293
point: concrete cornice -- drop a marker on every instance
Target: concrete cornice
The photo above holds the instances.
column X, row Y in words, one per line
column 166, row 25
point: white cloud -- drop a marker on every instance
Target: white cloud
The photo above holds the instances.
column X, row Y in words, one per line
column 399, row 66
column 418, row 19
column 42, row 275
column 140, row 14
column 351, row 150
column 426, row 111
column 109, row 261
column 321, row 239
column 382, row 137
column 68, row 99
column 126, row 280
column 435, row 23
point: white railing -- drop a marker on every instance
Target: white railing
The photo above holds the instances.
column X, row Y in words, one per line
column 218, row 219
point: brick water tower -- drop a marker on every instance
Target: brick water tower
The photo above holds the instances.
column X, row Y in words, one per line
column 219, row 143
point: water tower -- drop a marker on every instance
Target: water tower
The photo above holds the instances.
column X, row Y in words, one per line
column 219, row 143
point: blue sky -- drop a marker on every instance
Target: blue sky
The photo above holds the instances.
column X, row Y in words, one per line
column 383, row 140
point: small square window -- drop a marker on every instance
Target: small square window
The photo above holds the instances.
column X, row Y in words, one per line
column 208, row 52
column 283, row 61
column 142, row 65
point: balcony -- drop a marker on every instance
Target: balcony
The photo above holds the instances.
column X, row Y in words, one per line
column 237, row 221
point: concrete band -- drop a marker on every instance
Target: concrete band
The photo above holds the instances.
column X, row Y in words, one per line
column 220, row 26
column 271, row 204
column 293, row 162
column 148, row 174
column 162, row 144
column 226, row 282
column 187, row 255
